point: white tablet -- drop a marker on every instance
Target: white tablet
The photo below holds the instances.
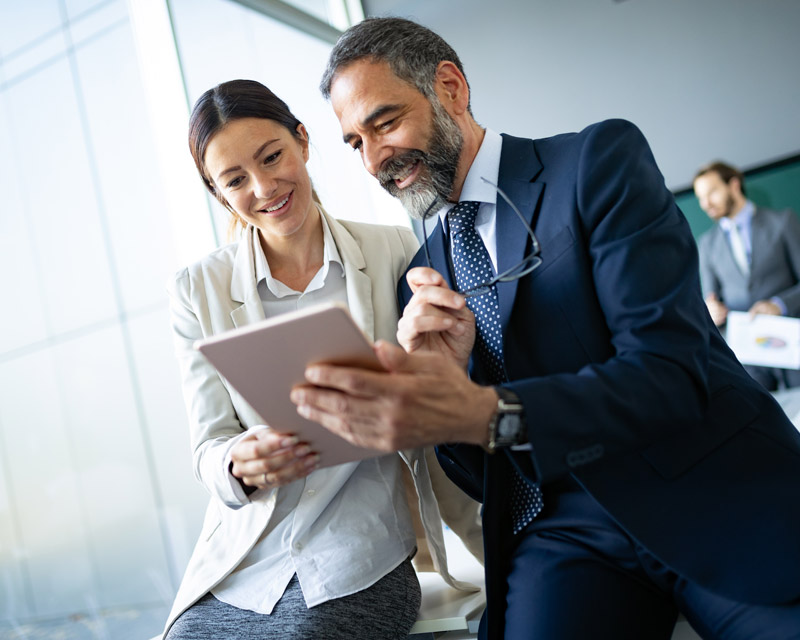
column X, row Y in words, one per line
column 264, row 360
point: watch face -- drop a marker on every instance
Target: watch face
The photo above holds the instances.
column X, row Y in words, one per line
column 509, row 425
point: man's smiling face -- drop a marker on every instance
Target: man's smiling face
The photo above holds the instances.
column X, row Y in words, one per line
column 410, row 144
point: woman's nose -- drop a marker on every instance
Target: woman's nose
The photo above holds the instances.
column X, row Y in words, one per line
column 264, row 186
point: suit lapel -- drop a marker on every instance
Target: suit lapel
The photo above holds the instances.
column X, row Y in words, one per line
column 758, row 238
column 518, row 167
column 440, row 253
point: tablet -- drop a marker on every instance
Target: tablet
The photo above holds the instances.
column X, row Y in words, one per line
column 264, row 360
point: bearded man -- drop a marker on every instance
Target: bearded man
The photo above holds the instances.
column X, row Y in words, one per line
column 559, row 354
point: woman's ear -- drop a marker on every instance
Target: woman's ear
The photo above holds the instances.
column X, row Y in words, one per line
column 302, row 136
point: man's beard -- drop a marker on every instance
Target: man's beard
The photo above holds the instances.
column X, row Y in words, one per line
column 730, row 206
column 438, row 166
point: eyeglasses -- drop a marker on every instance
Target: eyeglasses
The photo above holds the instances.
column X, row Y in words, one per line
column 522, row 268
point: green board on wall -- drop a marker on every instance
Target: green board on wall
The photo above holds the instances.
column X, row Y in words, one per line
column 775, row 186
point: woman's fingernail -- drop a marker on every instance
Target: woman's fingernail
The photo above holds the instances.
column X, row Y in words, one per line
column 311, row 461
column 290, row 441
column 302, row 451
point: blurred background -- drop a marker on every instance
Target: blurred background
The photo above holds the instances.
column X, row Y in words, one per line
column 99, row 510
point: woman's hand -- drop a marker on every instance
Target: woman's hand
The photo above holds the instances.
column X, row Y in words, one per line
column 266, row 459
column 436, row 319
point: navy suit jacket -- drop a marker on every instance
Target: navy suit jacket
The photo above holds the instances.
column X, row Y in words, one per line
column 627, row 384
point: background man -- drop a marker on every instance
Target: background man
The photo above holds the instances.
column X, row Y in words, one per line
column 636, row 469
column 749, row 260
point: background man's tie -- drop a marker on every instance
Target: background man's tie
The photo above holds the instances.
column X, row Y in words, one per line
column 473, row 266
column 737, row 248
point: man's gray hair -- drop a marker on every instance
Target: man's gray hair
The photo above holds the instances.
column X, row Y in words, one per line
column 412, row 51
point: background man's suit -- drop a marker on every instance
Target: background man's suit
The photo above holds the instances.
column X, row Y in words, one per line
column 627, row 385
column 774, row 271
column 774, row 263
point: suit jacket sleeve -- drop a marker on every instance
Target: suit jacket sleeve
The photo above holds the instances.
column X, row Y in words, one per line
column 214, row 423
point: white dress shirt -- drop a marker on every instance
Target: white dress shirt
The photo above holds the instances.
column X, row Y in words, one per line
column 486, row 165
column 340, row 529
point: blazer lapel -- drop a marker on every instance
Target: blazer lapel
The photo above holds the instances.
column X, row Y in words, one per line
column 243, row 283
column 357, row 282
column 519, row 165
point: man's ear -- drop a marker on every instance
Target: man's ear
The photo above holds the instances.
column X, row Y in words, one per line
column 452, row 88
column 736, row 185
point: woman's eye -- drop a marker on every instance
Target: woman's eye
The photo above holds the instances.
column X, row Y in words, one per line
column 272, row 157
column 234, row 183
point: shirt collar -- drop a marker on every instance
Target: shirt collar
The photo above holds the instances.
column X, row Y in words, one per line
column 485, row 165
column 741, row 219
column 330, row 254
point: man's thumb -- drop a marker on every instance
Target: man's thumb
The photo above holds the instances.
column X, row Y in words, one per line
column 392, row 357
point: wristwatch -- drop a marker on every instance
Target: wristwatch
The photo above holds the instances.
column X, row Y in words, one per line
column 507, row 425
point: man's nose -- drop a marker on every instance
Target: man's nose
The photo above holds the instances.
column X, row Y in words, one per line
column 373, row 156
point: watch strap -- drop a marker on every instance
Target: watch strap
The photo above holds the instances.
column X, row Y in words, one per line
column 508, row 405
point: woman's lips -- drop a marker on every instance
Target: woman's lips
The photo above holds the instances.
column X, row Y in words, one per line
column 278, row 207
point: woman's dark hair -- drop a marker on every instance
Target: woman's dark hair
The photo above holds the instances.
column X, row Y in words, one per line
column 229, row 101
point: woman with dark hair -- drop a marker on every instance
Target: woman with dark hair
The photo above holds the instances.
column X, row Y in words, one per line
column 288, row 550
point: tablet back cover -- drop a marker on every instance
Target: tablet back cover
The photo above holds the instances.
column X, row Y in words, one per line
column 264, row 360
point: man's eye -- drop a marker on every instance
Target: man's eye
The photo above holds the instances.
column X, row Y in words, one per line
column 383, row 126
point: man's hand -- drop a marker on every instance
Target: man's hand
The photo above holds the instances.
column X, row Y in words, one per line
column 765, row 307
column 436, row 318
column 718, row 311
column 421, row 399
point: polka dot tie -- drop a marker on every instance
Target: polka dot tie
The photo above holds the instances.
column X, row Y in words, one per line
column 473, row 266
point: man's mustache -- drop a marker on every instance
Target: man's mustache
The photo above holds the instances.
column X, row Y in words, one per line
column 395, row 166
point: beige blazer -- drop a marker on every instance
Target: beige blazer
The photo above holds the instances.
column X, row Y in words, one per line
column 219, row 293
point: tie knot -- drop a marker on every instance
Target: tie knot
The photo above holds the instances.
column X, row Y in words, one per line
column 463, row 215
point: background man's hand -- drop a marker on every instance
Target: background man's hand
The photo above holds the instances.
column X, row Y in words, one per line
column 718, row 311
column 765, row 307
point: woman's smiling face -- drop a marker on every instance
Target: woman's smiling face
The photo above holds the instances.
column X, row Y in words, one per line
column 259, row 167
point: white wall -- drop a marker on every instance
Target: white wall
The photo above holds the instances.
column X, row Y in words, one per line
column 704, row 79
